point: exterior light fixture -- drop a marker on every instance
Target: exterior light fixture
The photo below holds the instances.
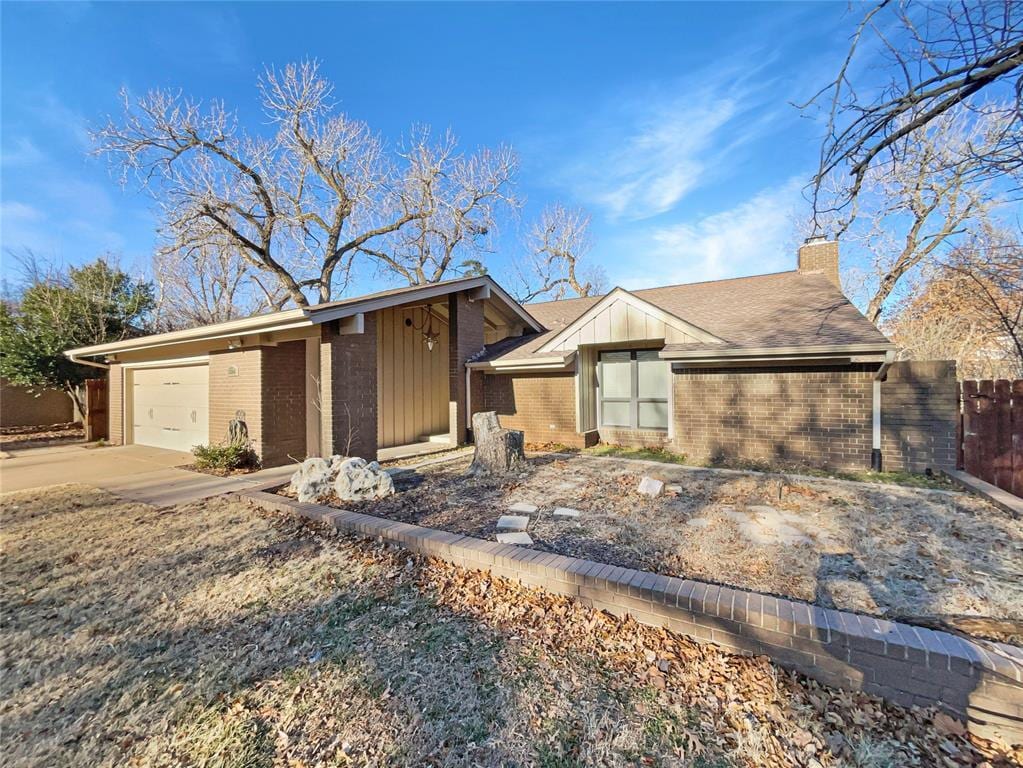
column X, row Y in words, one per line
column 430, row 336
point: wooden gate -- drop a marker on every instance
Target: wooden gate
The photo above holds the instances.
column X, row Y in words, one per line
column 992, row 432
column 97, row 419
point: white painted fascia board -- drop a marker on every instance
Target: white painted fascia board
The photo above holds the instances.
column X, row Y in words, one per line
column 277, row 321
column 642, row 305
column 421, row 294
column 775, row 352
column 533, row 364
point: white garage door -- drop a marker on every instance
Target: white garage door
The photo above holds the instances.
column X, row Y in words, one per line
column 171, row 406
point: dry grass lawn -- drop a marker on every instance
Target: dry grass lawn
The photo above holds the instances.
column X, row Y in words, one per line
column 875, row 549
column 216, row 635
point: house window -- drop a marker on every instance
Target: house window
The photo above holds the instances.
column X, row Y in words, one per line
column 633, row 390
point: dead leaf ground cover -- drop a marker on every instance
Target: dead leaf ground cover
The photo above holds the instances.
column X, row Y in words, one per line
column 881, row 550
column 216, row 635
column 29, row 437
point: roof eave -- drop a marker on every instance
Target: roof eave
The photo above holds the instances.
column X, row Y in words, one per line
column 277, row 321
column 767, row 353
column 328, row 313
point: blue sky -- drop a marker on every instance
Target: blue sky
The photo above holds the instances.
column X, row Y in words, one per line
column 671, row 124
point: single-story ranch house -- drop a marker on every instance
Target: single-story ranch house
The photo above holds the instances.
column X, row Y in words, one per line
column 777, row 367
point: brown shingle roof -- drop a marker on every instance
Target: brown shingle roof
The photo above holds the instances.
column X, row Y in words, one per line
column 786, row 309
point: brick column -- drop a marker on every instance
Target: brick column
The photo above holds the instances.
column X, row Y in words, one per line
column 348, row 390
column 236, row 384
column 465, row 334
column 115, row 405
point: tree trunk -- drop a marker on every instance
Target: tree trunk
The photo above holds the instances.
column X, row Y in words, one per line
column 498, row 450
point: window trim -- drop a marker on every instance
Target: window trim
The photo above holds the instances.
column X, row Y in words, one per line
column 634, row 400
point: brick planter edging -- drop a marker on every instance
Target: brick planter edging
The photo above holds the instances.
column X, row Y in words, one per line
column 977, row 680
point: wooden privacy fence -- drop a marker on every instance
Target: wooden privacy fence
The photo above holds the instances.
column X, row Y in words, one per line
column 96, row 410
column 991, row 445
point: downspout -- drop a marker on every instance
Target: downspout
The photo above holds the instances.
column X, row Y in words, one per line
column 876, row 462
column 75, row 359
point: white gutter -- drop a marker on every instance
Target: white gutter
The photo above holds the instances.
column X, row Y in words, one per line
column 74, row 359
column 769, row 352
column 523, row 364
column 875, row 445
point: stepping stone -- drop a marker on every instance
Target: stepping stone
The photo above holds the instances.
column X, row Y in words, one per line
column 648, row 486
column 566, row 512
column 673, row 489
column 517, row 537
column 512, row 523
column 522, row 508
column 698, row 522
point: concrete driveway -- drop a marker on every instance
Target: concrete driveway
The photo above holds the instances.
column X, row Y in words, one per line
column 137, row 472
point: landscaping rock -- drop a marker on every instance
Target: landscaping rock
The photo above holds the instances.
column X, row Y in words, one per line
column 311, row 482
column 522, row 508
column 517, row 537
column 358, row 480
column 651, row 487
column 512, row 523
column 566, row 512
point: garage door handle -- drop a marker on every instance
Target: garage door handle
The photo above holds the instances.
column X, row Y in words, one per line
column 171, row 429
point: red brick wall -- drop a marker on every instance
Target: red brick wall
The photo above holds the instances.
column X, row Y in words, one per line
column 541, row 405
column 116, row 404
column 348, row 381
column 817, row 416
column 465, row 326
column 283, row 407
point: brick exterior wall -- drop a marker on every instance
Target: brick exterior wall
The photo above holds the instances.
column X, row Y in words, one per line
column 540, row 404
column 115, row 383
column 634, row 438
column 919, row 416
column 29, row 407
column 814, row 415
column 465, row 326
column 821, row 257
column 283, row 395
column 348, row 383
column 236, row 384
column 976, row 680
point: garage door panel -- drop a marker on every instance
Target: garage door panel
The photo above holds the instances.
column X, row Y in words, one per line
column 171, row 406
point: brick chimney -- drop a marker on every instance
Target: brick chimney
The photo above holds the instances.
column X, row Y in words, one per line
column 818, row 255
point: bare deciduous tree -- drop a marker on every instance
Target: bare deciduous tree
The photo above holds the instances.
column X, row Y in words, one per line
column 556, row 245
column 208, row 285
column 910, row 213
column 937, row 60
column 302, row 204
column 990, row 269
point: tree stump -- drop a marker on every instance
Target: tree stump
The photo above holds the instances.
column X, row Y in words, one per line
column 498, row 450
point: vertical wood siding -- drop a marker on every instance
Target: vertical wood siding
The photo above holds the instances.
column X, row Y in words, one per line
column 621, row 321
column 413, row 381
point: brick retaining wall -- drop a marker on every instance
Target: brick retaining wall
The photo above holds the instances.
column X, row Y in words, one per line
column 976, row 680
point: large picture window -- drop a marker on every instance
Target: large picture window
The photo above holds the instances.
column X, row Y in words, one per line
column 633, row 389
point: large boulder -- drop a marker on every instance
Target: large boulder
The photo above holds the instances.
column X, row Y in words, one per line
column 358, row 480
column 312, row 480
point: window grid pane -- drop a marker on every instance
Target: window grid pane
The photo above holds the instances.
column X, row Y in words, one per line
column 633, row 389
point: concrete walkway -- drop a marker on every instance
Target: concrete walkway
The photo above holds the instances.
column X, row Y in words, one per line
column 136, row 472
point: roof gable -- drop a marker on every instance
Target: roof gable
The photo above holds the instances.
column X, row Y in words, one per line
column 623, row 316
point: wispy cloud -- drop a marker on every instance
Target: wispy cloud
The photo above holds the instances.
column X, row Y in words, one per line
column 640, row 156
column 21, row 151
column 753, row 237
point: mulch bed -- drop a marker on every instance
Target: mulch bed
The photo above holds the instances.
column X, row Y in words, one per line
column 881, row 550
